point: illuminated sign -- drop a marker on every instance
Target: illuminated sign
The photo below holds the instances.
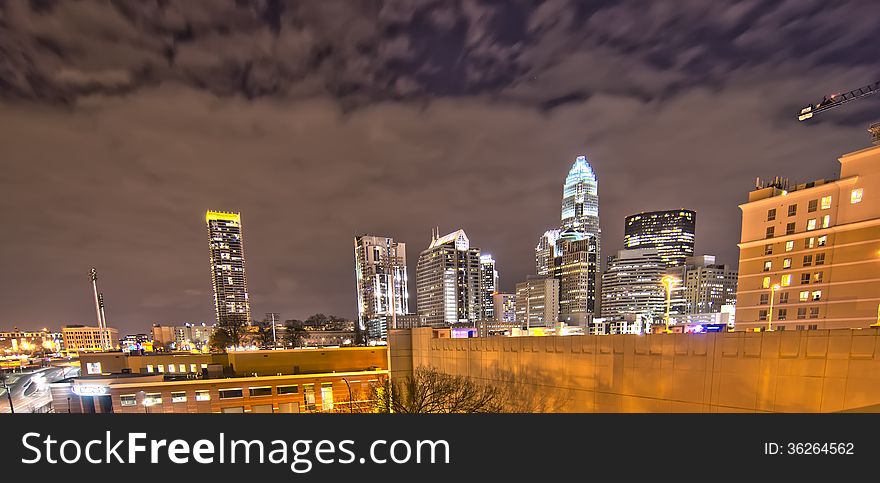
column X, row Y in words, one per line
column 82, row 390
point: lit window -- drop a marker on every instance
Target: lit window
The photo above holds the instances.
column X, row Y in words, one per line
column 817, row 294
column 192, row 368
column 826, row 202
column 855, row 196
column 786, row 263
column 768, row 265
column 178, row 397
column 765, row 282
column 768, row 249
column 789, row 245
column 811, row 224
column 203, row 395
column 804, row 295
column 786, row 280
column 149, row 368
column 204, row 366
column 817, row 277
column 152, row 399
column 128, row 400
column 161, row 367
column 809, row 242
column 326, row 396
column 170, row 367
column 822, row 240
column 181, row 367
column 826, row 221
column 93, row 368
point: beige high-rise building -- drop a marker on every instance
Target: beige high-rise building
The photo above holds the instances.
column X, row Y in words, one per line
column 537, row 302
column 812, row 251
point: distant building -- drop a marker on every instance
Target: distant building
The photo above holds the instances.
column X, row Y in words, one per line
column 86, row 339
column 380, row 271
column 813, row 248
column 16, row 342
column 231, row 303
column 504, row 307
column 488, row 286
column 708, row 285
column 631, row 285
column 671, row 233
column 544, row 252
column 537, row 302
column 448, row 281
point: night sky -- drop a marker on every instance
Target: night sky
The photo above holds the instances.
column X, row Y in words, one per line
column 121, row 122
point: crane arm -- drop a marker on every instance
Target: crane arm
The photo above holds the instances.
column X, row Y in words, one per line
column 834, row 100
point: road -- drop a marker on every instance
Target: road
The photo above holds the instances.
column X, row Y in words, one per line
column 30, row 389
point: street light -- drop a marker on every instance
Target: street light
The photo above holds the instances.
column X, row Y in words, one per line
column 773, row 289
column 667, row 282
column 8, row 392
column 350, row 398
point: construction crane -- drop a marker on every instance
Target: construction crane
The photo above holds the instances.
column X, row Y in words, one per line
column 834, row 100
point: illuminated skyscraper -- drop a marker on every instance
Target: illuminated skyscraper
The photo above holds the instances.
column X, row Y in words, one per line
column 576, row 266
column 544, row 252
column 488, row 286
column 670, row 232
column 580, row 199
column 231, row 303
column 378, row 260
column 448, row 281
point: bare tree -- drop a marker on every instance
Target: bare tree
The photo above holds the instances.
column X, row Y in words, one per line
column 430, row 391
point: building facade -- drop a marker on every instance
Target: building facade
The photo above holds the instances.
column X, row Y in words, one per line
column 381, row 275
column 88, row 339
column 670, row 232
column 631, row 285
column 815, row 249
column 504, row 307
column 580, row 199
column 488, row 286
column 448, row 281
column 576, row 266
column 231, row 303
column 544, row 252
column 537, row 302
column 708, row 285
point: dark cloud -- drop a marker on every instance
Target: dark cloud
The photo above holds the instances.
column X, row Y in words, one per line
column 123, row 121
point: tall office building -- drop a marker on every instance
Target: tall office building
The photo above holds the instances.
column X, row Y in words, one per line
column 576, row 266
column 231, row 304
column 631, row 285
column 708, row 285
column 537, row 302
column 580, row 199
column 814, row 248
column 505, row 307
column 448, row 281
column 488, row 286
column 670, row 232
column 380, row 271
column 544, row 252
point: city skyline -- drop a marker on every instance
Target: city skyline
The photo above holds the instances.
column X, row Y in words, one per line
column 113, row 151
